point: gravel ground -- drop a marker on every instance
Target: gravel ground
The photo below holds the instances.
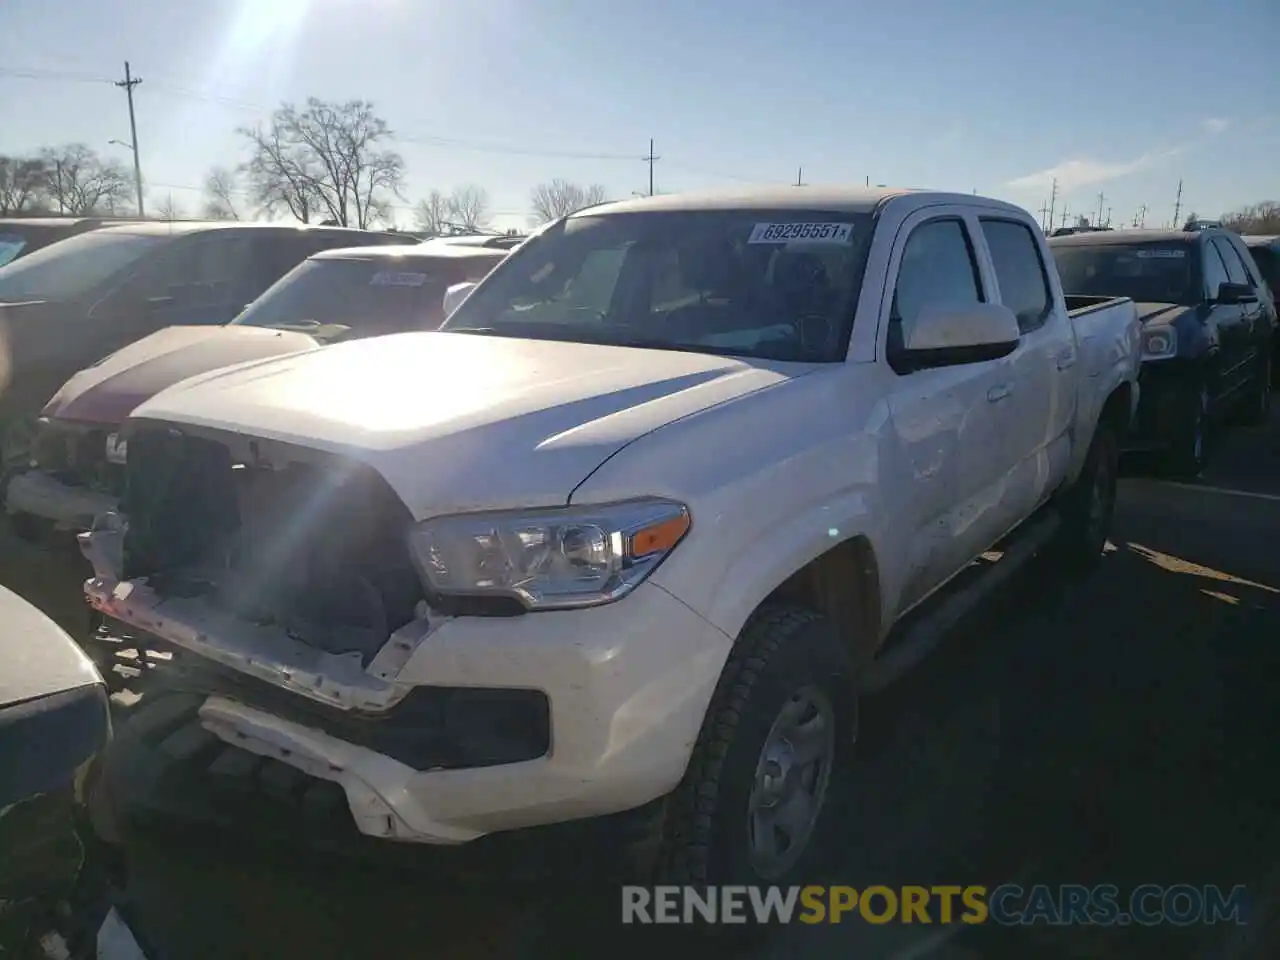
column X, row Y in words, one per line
column 1111, row 730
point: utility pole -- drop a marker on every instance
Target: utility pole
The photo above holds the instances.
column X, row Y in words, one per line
column 127, row 84
column 1177, row 206
column 1044, row 212
column 1107, row 223
column 1101, row 200
column 651, row 159
column 1142, row 216
column 1064, row 215
column 1053, row 200
column 800, row 176
column 868, row 182
column 57, row 166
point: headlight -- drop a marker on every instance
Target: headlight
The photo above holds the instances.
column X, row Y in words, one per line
column 1159, row 343
column 546, row 559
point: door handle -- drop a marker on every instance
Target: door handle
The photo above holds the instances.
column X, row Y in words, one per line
column 1066, row 361
column 996, row 394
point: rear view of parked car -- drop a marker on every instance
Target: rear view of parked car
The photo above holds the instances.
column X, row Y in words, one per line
column 1208, row 322
column 69, row 305
column 75, row 465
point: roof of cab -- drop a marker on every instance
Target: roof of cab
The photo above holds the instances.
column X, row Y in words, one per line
column 1101, row 237
column 414, row 251
column 845, row 199
column 175, row 227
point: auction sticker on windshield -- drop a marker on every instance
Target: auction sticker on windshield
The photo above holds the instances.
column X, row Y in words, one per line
column 803, row 232
column 1161, row 254
column 387, row 279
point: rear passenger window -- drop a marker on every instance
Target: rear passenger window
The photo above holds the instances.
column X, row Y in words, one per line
column 938, row 267
column 1024, row 287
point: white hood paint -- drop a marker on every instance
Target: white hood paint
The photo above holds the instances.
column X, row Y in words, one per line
column 458, row 421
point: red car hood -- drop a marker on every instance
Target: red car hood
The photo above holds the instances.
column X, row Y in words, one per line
column 108, row 391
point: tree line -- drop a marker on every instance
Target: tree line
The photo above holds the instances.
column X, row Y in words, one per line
column 322, row 162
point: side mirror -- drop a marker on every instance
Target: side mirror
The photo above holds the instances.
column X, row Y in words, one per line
column 1233, row 293
column 454, row 296
column 945, row 335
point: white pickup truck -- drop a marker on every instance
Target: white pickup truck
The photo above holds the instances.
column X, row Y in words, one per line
column 632, row 532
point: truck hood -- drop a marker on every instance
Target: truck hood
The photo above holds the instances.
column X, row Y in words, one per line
column 106, row 392
column 456, row 421
column 1165, row 312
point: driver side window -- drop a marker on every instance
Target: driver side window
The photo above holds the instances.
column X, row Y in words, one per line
column 1215, row 271
column 938, row 266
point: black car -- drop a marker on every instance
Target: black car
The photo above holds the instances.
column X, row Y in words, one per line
column 20, row 236
column 1266, row 255
column 1208, row 322
column 69, row 305
column 59, row 883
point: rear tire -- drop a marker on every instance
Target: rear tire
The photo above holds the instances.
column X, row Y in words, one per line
column 1257, row 404
column 1088, row 506
column 755, row 799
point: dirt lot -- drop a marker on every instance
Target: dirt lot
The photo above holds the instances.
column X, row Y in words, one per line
column 1119, row 729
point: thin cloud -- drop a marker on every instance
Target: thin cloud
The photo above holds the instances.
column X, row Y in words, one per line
column 1083, row 172
column 1216, row 125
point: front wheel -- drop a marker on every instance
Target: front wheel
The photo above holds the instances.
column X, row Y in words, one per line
column 1188, row 454
column 759, row 785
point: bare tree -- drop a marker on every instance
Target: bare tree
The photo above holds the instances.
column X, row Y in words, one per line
column 169, row 209
column 327, row 159
column 1262, row 218
column 469, row 207
column 81, row 182
column 220, row 189
column 559, row 198
column 23, row 184
column 432, row 214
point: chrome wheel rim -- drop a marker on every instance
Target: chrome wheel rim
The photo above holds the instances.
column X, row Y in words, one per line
column 791, row 779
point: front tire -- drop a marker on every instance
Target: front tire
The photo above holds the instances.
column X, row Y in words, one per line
column 1188, row 455
column 754, row 800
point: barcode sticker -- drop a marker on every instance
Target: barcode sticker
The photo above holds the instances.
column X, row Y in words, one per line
column 802, row 233
column 1161, row 254
column 386, row 279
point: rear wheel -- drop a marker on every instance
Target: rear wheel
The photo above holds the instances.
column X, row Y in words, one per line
column 1188, row 454
column 1257, row 403
column 754, row 800
column 1088, row 506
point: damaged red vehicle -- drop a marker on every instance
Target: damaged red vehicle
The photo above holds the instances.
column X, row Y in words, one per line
column 76, row 468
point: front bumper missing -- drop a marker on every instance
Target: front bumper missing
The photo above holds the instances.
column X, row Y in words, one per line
column 68, row 507
column 627, row 687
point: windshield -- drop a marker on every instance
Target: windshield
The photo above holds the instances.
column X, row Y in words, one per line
column 353, row 298
column 1144, row 272
column 770, row 284
column 72, row 267
column 10, row 246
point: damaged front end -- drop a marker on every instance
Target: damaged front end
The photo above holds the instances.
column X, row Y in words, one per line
column 287, row 571
column 284, row 563
column 73, row 473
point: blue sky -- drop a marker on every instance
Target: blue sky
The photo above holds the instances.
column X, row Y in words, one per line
column 992, row 95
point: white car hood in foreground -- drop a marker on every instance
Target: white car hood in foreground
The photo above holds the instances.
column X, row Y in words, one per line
column 458, row 421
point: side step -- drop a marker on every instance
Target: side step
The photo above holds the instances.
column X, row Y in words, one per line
column 903, row 651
